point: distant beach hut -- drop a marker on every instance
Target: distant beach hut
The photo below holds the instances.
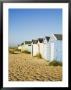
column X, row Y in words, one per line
column 56, row 47
column 46, row 48
column 26, row 46
column 19, row 47
column 35, row 50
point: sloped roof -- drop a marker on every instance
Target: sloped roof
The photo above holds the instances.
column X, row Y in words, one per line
column 35, row 41
column 58, row 36
column 22, row 43
column 47, row 38
column 28, row 42
column 40, row 40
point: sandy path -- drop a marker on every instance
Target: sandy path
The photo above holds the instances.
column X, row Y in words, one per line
column 24, row 67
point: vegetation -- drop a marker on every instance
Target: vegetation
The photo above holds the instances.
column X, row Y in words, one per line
column 39, row 55
column 18, row 49
column 14, row 50
column 12, row 47
column 11, row 51
column 55, row 63
column 25, row 51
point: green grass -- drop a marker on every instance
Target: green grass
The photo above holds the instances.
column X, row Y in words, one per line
column 55, row 63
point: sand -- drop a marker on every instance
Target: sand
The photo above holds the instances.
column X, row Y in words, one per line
column 24, row 67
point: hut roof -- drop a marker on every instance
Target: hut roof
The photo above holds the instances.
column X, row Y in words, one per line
column 58, row 36
column 28, row 42
column 22, row 43
column 34, row 41
column 40, row 40
column 47, row 38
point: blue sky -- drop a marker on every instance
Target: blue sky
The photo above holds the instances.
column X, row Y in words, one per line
column 28, row 24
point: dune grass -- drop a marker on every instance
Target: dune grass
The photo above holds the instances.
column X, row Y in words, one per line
column 38, row 55
column 26, row 51
column 55, row 63
column 14, row 50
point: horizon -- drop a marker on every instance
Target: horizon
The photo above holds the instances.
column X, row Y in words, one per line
column 28, row 24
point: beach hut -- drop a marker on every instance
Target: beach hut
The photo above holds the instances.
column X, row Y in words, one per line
column 56, row 47
column 35, row 50
column 46, row 48
column 26, row 46
column 20, row 47
column 40, row 46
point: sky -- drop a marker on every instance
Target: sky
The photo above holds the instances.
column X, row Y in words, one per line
column 28, row 24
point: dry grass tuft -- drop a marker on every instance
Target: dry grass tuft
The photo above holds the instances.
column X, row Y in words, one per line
column 14, row 51
column 11, row 51
column 27, row 52
column 38, row 55
column 55, row 63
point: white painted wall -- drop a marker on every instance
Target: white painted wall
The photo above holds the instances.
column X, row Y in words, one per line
column 26, row 47
column 46, row 51
column 52, row 51
column 35, row 50
column 19, row 47
column 58, row 50
column 41, row 49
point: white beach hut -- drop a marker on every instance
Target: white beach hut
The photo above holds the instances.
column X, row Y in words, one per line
column 26, row 46
column 40, row 46
column 20, row 47
column 56, row 47
column 46, row 48
column 35, row 50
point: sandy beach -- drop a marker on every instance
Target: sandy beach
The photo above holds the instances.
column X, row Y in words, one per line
column 24, row 67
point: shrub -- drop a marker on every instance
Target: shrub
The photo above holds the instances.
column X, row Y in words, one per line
column 14, row 51
column 11, row 51
column 18, row 50
column 25, row 51
column 55, row 63
column 38, row 55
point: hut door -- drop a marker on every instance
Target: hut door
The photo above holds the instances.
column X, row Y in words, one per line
column 32, row 50
column 45, row 52
column 52, row 51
